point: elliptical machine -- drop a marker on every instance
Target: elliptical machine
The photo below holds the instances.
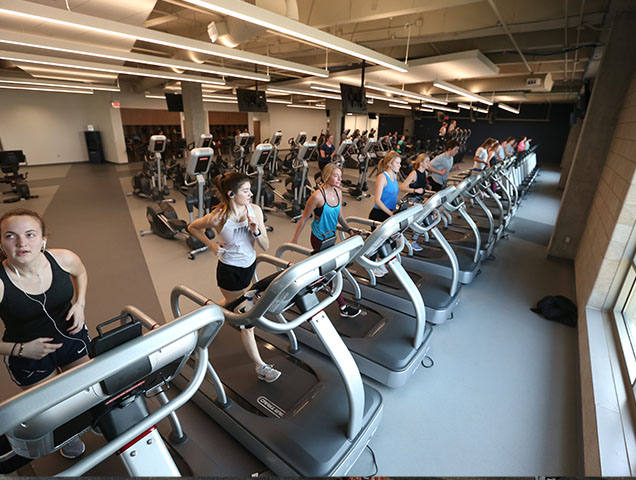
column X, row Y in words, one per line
column 151, row 181
column 298, row 190
column 273, row 162
column 163, row 218
column 264, row 195
column 359, row 191
column 242, row 151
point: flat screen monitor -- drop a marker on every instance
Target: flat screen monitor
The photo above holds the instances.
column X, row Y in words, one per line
column 174, row 102
column 353, row 99
column 251, row 100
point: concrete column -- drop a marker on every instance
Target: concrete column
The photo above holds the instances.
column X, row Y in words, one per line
column 335, row 118
column 568, row 153
column 615, row 74
column 196, row 121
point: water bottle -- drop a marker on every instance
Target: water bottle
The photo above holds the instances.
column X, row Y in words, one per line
column 247, row 304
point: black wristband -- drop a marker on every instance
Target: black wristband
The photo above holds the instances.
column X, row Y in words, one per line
column 13, row 349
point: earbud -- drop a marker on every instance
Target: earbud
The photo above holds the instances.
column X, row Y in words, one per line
column 231, row 194
column 44, row 246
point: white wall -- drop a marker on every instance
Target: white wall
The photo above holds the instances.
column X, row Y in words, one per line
column 361, row 122
column 49, row 127
column 291, row 121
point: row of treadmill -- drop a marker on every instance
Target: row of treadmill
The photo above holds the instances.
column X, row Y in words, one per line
column 318, row 417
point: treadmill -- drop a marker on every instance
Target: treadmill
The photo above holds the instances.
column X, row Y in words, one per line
column 440, row 258
column 440, row 295
column 387, row 344
column 318, row 417
column 110, row 391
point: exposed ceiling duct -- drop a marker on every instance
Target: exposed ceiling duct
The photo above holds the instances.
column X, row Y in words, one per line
column 232, row 32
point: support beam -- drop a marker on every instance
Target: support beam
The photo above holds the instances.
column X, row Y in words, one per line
column 617, row 68
column 196, row 121
column 568, row 153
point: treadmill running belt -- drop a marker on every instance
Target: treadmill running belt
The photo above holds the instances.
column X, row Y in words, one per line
column 236, row 370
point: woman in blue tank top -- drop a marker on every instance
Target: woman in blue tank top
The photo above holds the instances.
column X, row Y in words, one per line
column 325, row 204
column 42, row 298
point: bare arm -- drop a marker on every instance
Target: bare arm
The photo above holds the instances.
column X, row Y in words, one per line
column 200, row 225
column 405, row 185
column 315, row 201
column 257, row 225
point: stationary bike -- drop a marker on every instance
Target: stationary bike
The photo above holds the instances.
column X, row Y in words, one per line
column 163, row 218
column 151, row 182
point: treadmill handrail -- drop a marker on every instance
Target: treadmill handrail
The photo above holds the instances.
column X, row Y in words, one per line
column 44, row 396
column 295, row 278
column 95, row 458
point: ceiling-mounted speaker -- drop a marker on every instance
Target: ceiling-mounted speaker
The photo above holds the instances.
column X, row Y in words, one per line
column 471, row 112
column 327, row 112
column 491, row 115
column 440, row 116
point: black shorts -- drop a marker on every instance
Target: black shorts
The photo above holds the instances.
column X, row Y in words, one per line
column 234, row 278
column 26, row 371
column 378, row 215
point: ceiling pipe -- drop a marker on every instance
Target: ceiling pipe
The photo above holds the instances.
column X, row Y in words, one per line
column 507, row 30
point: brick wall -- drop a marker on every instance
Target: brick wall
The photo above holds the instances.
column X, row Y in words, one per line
column 613, row 215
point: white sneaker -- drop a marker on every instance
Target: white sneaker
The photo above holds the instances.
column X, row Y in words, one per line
column 267, row 373
column 416, row 246
column 380, row 271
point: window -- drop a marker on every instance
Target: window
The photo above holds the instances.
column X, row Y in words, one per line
column 625, row 314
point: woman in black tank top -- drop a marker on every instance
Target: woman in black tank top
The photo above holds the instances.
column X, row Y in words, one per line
column 42, row 297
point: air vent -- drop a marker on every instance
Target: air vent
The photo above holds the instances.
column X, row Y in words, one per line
column 533, row 82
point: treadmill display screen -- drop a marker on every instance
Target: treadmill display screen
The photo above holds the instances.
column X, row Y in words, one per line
column 264, row 157
column 206, row 142
column 158, row 144
column 202, row 164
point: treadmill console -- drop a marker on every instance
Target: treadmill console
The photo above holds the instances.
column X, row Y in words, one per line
column 306, row 151
column 205, row 140
column 157, row 144
column 261, row 154
column 301, row 138
column 200, row 161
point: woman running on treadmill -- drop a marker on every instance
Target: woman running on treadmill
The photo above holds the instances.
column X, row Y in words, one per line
column 325, row 203
column 42, row 299
column 417, row 182
column 238, row 224
column 386, row 193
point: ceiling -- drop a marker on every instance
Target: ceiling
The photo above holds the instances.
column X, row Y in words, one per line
column 486, row 46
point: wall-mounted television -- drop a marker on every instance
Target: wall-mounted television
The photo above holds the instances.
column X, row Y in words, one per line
column 174, row 102
column 353, row 99
column 251, row 100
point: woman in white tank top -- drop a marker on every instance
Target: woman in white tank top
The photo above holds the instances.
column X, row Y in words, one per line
column 239, row 225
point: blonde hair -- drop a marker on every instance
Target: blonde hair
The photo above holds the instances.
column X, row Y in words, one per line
column 383, row 166
column 421, row 158
column 327, row 171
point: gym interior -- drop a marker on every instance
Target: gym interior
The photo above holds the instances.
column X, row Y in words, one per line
column 115, row 113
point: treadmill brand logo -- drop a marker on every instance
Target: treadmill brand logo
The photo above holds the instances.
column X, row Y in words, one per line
column 270, row 406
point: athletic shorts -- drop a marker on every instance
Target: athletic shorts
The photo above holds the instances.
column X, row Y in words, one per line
column 234, row 278
column 26, row 371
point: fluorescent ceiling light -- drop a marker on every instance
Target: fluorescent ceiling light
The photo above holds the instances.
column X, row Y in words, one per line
column 218, row 97
column 403, row 93
column 61, row 16
column 508, row 108
column 472, row 107
column 297, row 91
column 439, row 107
column 100, row 67
column 324, row 88
column 387, row 99
column 206, row 100
column 51, row 83
column 449, row 87
column 158, row 97
column 307, row 106
column 395, row 105
column 279, row 100
column 69, row 47
column 40, row 89
column 282, row 25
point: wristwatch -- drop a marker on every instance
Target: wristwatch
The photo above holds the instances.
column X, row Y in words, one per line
column 256, row 235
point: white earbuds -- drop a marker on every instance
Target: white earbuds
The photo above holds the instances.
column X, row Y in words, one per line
column 44, row 246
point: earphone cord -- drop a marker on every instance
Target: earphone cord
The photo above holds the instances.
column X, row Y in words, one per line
column 42, row 304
